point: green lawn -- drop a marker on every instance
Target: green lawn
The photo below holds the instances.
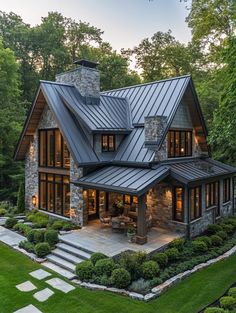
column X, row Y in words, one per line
column 187, row 297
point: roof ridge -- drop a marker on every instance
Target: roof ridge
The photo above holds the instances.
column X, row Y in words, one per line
column 111, row 96
column 149, row 83
column 55, row 83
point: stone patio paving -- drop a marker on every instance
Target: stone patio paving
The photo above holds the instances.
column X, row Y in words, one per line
column 9, row 237
column 97, row 238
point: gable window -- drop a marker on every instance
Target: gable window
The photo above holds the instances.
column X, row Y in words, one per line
column 179, row 143
column 195, row 202
column 53, row 151
column 108, row 143
column 178, row 201
column 226, row 186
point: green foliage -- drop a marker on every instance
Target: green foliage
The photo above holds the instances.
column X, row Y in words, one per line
column 205, row 239
column 177, row 243
column 160, row 258
column 51, row 237
column 104, row 267
column 216, row 240
column 22, row 228
column 199, row 246
column 232, row 292
column 11, row 222
column 228, row 228
column 21, row 198
column 30, row 235
column 3, row 211
column 120, row 278
column 228, row 303
column 57, row 225
column 172, row 254
column 214, row 310
column 141, row 285
column 150, row 269
column 39, row 236
column 213, row 229
column 132, row 263
column 26, row 245
column 222, row 234
column 97, row 256
column 42, row 249
column 85, row 270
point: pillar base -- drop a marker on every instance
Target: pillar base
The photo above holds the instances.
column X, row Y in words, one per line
column 141, row 240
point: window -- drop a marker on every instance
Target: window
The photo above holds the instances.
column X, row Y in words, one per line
column 212, row 196
column 178, row 200
column 179, row 143
column 54, row 194
column 131, row 203
column 195, row 202
column 108, row 143
column 53, row 151
column 226, row 189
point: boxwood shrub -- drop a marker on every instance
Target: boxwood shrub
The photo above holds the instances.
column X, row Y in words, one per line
column 51, row 237
column 199, row 247
column 42, row 249
column 97, row 256
column 205, row 239
column 228, row 303
column 216, row 240
column 39, row 236
column 172, row 254
column 213, row 229
column 222, row 234
column 161, row 259
column 11, row 222
column 85, row 270
column 150, row 269
column 120, row 278
column 104, row 266
column 228, row 228
column 177, row 243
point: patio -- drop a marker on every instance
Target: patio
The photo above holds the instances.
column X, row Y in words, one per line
column 97, row 238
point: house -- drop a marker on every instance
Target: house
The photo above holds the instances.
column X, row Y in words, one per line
column 140, row 151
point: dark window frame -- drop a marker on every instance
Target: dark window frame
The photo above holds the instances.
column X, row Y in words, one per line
column 195, row 215
column 213, row 198
column 175, row 151
column 54, row 183
column 226, row 189
column 174, row 202
column 109, row 148
column 46, row 131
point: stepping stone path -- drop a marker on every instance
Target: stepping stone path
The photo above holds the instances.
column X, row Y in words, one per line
column 43, row 295
column 26, row 286
column 60, row 284
column 28, row 309
column 40, row 274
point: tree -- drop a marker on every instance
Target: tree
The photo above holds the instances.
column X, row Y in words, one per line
column 21, row 198
column 222, row 135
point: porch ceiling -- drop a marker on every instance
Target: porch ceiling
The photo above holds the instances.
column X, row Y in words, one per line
column 127, row 180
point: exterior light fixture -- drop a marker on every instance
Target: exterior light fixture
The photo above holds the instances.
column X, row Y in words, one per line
column 34, row 200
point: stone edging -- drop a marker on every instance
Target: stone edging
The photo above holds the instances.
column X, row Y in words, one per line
column 158, row 290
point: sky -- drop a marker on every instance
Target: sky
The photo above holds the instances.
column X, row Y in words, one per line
column 124, row 22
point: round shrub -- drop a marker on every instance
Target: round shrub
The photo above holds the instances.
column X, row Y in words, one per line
column 85, row 270
column 216, row 240
column 172, row 254
column 213, row 229
column 3, row 211
column 199, row 247
column 232, row 292
column 150, row 269
column 24, row 229
column 42, row 249
column 177, row 243
column 214, row 310
column 68, row 226
column 11, row 222
column 228, row 228
column 205, row 239
column 104, row 267
column 132, row 263
column 120, row 278
column 161, row 259
column 30, row 235
column 26, row 245
column 57, row 225
column 228, row 303
column 97, row 256
column 222, row 234
column 51, row 237
column 39, row 236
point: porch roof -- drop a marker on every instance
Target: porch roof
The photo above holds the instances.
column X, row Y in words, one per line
column 126, row 180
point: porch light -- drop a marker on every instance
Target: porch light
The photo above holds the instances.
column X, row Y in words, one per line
column 182, row 150
column 34, row 200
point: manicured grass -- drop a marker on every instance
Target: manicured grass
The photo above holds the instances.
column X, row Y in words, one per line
column 189, row 296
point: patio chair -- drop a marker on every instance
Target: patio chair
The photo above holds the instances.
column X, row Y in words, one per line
column 105, row 220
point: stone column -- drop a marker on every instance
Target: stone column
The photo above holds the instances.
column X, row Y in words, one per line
column 141, row 237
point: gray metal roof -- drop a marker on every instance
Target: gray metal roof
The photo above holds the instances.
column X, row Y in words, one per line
column 126, row 180
column 159, row 98
column 199, row 169
column 69, row 127
column 111, row 113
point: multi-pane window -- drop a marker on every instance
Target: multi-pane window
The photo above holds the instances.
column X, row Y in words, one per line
column 178, row 200
column 226, row 186
column 213, row 196
column 179, row 143
column 54, row 194
column 195, row 202
column 53, row 151
column 108, row 143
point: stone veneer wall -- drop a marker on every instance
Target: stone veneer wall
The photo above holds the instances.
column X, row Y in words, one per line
column 31, row 172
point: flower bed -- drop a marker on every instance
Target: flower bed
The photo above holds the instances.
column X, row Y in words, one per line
column 140, row 273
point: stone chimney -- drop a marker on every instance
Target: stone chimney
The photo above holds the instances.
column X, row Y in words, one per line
column 154, row 127
column 86, row 78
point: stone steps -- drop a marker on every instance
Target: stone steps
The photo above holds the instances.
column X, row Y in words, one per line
column 74, row 251
column 61, row 262
column 58, row 269
column 66, row 256
column 74, row 245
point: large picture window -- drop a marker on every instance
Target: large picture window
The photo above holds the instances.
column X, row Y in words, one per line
column 195, row 202
column 226, row 186
column 108, row 143
column 179, row 143
column 53, row 151
column 212, row 196
column 178, row 200
column 54, row 194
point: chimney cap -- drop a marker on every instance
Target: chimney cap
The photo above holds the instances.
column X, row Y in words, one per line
column 86, row 63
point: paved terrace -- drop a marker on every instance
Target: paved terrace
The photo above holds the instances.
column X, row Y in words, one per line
column 97, row 238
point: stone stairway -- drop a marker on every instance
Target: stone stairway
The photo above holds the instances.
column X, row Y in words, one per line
column 65, row 256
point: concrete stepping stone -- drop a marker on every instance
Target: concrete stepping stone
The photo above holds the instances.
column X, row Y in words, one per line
column 26, row 286
column 43, row 295
column 28, row 309
column 40, row 274
column 60, row 284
